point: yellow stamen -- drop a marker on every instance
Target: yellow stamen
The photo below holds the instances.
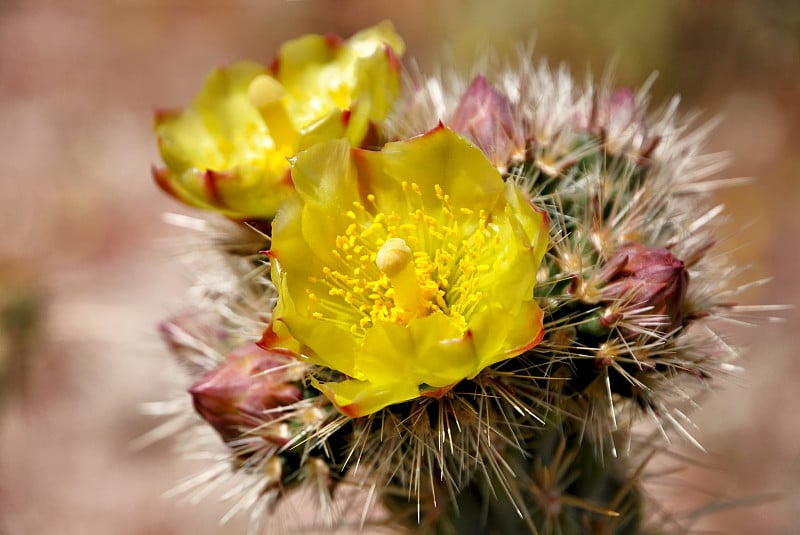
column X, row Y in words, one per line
column 266, row 94
column 395, row 267
column 396, row 260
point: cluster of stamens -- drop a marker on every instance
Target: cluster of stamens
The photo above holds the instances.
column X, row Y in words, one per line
column 399, row 266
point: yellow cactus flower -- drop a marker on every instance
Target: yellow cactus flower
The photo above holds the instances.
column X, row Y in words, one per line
column 407, row 270
column 228, row 151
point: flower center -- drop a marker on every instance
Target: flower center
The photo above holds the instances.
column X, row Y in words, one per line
column 395, row 260
column 398, row 265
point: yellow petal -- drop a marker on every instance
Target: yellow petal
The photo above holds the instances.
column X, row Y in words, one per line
column 438, row 157
column 430, row 350
column 359, row 398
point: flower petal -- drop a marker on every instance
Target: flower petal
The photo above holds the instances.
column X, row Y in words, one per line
column 360, row 398
column 438, row 157
column 431, row 350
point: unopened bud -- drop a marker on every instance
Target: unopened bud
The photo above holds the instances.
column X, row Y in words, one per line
column 192, row 336
column 235, row 396
column 639, row 277
column 621, row 122
column 485, row 116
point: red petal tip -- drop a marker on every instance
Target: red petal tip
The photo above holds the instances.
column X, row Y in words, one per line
column 163, row 114
column 391, row 57
column 350, row 410
column 333, row 41
column 211, row 179
column 275, row 67
column 161, row 178
column 270, row 339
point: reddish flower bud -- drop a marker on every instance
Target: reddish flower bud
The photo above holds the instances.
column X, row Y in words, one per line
column 485, row 117
column 640, row 277
column 234, row 396
column 621, row 122
column 194, row 335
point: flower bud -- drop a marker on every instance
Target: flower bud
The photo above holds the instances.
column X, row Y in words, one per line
column 621, row 122
column 640, row 277
column 192, row 336
column 234, row 396
column 485, row 117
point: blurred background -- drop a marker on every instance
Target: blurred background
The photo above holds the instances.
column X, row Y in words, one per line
column 87, row 266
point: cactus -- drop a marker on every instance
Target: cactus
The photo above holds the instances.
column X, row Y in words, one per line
column 464, row 310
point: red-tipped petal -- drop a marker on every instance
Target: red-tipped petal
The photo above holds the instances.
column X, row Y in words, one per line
column 161, row 177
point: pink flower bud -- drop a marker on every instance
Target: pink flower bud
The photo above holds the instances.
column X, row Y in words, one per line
column 234, row 396
column 621, row 123
column 485, row 116
column 640, row 277
column 192, row 336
